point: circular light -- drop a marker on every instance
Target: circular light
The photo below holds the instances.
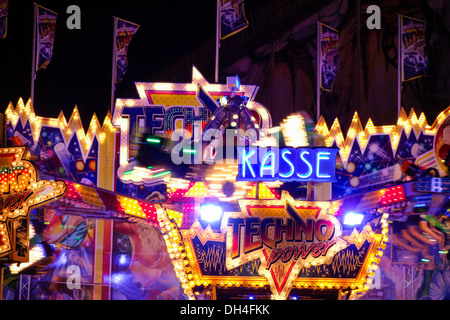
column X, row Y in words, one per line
column 211, row 212
column 224, row 101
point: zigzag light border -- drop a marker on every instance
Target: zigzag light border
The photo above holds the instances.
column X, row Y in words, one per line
column 405, row 123
column 25, row 112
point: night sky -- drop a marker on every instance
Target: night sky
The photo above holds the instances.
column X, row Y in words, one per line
column 80, row 71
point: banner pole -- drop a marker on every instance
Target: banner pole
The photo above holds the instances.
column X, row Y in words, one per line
column 33, row 55
column 400, row 67
column 319, row 57
column 113, row 71
column 216, row 72
column 358, row 53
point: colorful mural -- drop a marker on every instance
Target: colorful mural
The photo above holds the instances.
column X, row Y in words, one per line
column 72, row 238
column 142, row 268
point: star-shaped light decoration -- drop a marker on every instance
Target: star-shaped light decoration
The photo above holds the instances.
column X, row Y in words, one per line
column 286, row 235
column 20, row 190
column 358, row 239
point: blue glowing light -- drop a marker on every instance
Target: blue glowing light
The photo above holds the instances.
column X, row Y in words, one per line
column 117, row 278
column 122, row 259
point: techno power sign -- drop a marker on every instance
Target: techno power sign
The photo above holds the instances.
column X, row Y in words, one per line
column 287, row 164
column 20, row 191
column 286, row 237
column 284, row 243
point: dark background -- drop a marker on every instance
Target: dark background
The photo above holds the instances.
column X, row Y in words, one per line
column 80, row 70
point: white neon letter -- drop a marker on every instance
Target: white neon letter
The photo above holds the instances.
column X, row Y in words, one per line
column 271, row 167
column 310, row 169
column 246, row 162
column 283, row 155
column 322, row 156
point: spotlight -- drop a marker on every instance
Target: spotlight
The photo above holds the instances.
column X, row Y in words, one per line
column 353, row 219
column 412, row 170
column 211, row 212
column 123, row 259
column 225, row 101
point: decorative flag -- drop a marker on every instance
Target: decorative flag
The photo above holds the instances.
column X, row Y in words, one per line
column 124, row 32
column 3, row 18
column 414, row 59
column 329, row 47
column 46, row 28
column 232, row 17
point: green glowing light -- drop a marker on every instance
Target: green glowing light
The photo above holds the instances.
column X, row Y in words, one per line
column 165, row 173
column 153, row 140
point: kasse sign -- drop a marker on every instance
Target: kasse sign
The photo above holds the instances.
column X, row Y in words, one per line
column 287, row 164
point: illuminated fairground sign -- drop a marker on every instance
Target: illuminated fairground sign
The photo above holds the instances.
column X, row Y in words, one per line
column 21, row 190
column 287, row 164
column 163, row 108
column 283, row 244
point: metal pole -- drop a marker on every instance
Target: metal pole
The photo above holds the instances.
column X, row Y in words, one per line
column 309, row 187
column 272, row 58
column 33, row 56
column 403, row 283
column 400, row 67
column 216, row 73
column 358, row 43
column 319, row 57
column 113, row 73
